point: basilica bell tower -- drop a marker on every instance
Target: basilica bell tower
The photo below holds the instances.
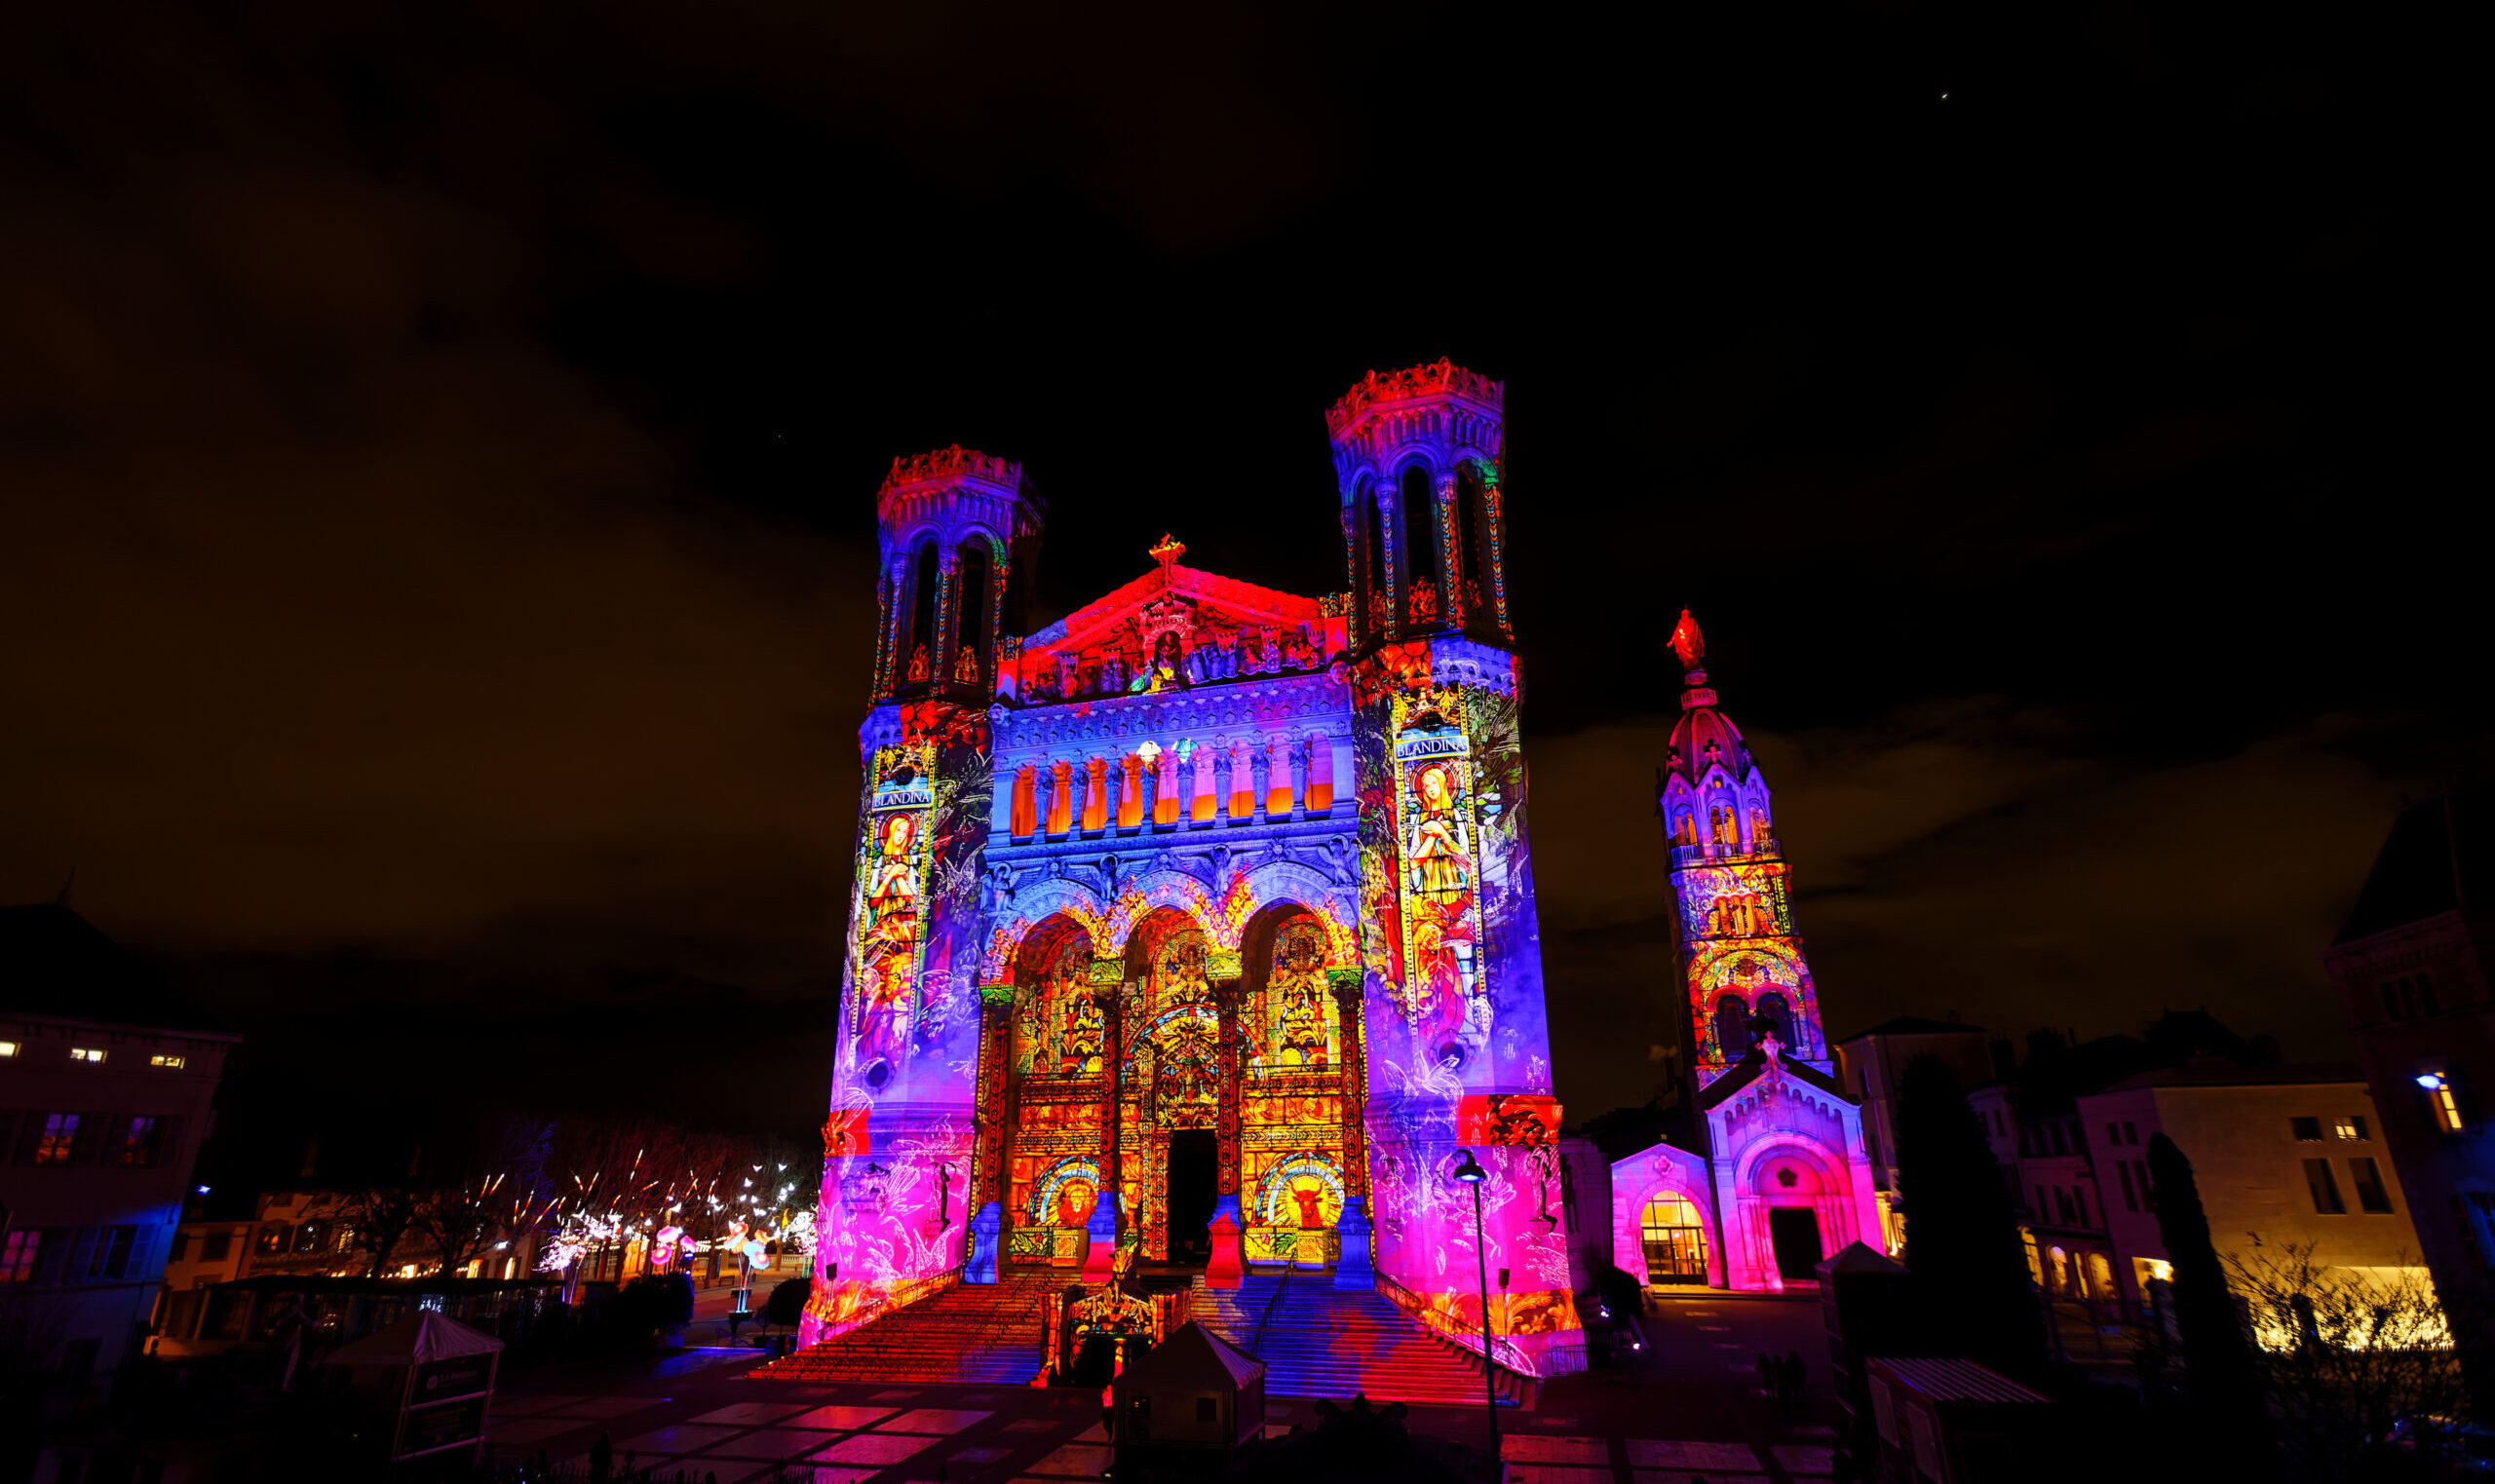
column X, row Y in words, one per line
column 1459, row 1059
column 955, row 529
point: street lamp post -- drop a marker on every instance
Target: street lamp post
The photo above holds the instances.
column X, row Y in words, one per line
column 1473, row 1174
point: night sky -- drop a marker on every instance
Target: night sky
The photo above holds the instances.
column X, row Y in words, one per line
column 439, row 454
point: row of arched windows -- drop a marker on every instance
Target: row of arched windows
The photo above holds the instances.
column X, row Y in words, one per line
column 1734, row 1023
column 1419, row 546
column 927, row 650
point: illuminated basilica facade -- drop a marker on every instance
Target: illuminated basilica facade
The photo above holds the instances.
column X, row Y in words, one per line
column 1779, row 1177
column 1200, row 923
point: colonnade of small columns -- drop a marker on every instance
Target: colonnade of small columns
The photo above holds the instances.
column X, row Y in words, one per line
column 1231, row 781
column 1724, row 822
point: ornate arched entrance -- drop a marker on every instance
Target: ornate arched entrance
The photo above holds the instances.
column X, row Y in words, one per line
column 1182, row 1076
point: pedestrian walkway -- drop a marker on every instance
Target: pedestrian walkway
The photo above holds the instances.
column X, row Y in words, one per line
column 1686, row 1413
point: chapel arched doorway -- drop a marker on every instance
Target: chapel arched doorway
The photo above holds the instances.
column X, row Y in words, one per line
column 1675, row 1238
column 1796, row 1196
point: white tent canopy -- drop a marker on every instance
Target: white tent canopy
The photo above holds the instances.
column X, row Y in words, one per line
column 422, row 1336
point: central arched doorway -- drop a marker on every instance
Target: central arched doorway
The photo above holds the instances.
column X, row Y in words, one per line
column 1173, row 1088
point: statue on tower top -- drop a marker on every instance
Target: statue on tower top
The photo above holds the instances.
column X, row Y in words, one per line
column 1688, row 642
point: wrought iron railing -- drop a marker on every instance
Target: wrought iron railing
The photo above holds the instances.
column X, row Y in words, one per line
column 1517, row 1375
column 1273, row 1307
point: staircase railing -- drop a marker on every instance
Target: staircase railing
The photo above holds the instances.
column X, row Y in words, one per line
column 1512, row 1379
column 1272, row 1306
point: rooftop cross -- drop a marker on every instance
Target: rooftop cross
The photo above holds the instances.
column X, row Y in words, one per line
column 1167, row 554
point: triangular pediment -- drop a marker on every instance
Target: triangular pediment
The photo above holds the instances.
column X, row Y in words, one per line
column 1173, row 626
column 1187, row 599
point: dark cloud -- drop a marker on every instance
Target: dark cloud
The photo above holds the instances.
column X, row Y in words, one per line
column 1961, row 855
column 436, row 449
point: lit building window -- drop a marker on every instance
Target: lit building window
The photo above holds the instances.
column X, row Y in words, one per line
column 8, row 1049
column 2445, row 1102
column 169, row 1063
column 17, row 1251
column 2351, row 1125
column 58, row 1137
column 86, row 1053
column 139, row 1142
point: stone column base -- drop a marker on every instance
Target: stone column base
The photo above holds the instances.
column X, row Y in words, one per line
column 1101, row 1241
column 1353, row 1270
column 987, row 1244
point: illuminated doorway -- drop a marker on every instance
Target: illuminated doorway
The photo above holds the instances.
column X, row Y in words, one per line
column 1794, row 1232
column 1675, row 1240
column 1194, row 1155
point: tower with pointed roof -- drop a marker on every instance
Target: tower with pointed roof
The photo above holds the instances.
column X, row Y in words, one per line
column 1741, row 963
column 1779, row 1178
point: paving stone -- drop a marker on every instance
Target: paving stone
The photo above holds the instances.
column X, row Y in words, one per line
column 1557, row 1473
column 1034, row 1425
column 839, row 1418
column 603, row 1407
column 881, row 1448
column 522, row 1430
column 1653, row 1453
column 933, row 1420
column 1682, row 1476
column 894, row 1396
column 1079, row 1460
column 683, row 1437
column 752, row 1413
column 1531, row 1448
column 578, row 1463
column 521, row 1406
column 771, row 1443
column 806, row 1474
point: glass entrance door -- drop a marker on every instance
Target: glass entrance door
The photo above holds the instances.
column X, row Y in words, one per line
column 1675, row 1241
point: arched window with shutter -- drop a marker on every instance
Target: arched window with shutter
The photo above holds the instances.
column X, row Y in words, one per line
column 971, row 633
column 1420, row 547
column 924, row 580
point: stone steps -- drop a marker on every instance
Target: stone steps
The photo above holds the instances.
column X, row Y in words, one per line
column 968, row 1332
column 1325, row 1342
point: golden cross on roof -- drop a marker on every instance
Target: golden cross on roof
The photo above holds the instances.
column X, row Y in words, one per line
column 1167, row 554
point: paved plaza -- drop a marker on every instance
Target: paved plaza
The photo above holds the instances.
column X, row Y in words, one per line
column 1692, row 1406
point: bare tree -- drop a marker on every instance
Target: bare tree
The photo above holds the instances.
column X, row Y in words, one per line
column 493, row 1190
column 379, row 1216
column 2344, row 1352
